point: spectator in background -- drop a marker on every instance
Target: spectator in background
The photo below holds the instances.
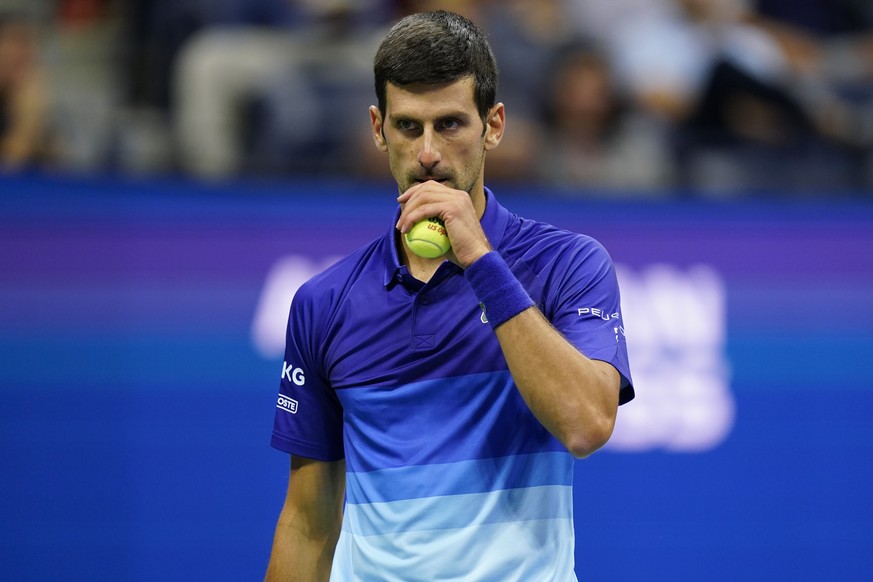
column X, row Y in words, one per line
column 830, row 46
column 24, row 98
column 264, row 87
column 732, row 88
column 525, row 36
column 273, row 100
column 594, row 140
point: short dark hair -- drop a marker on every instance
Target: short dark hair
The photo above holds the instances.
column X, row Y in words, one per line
column 435, row 48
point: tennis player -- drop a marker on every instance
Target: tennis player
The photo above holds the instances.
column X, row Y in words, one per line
column 433, row 408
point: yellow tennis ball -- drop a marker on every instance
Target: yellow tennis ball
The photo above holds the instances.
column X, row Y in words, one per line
column 428, row 238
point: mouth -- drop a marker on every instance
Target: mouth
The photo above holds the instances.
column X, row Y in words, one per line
column 431, row 178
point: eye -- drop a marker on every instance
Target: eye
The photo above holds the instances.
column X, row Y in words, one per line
column 450, row 124
column 406, row 125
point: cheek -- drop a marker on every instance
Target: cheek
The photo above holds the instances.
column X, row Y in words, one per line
column 473, row 154
column 399, row 149
column 402, row 157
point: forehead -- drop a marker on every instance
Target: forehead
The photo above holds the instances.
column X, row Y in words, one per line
column 420, row 99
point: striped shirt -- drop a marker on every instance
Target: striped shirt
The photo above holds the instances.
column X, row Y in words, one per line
column 449, row 474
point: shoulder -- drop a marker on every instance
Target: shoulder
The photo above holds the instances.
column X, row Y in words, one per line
column 329, row 287
column 544, row 247
column 561, row 268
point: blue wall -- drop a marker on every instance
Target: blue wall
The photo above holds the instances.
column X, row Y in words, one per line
column 138, row 373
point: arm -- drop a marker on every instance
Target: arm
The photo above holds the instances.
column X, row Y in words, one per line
column 27, row 109
column 309, row 524
column 575, row 398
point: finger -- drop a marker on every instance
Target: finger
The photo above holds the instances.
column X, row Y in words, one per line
column 405, row 196
column 429, row 186
column 428, row 195
column 412, row 215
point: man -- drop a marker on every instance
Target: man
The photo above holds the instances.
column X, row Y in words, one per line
column 24, row 138
column 446, row 398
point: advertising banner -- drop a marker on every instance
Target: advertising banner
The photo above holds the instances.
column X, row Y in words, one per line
column 141, row 336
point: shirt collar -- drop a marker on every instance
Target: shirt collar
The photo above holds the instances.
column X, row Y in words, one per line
column 494, row 221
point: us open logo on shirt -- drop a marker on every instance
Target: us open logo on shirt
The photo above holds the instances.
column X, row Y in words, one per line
column 287, row 404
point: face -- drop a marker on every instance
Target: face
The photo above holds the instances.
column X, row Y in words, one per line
column 435, row 133
column 17, row 48
column 584, row 97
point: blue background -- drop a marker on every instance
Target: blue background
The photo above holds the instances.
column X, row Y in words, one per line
column 135, row 411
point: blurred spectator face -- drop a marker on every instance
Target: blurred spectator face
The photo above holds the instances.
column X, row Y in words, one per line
column 583, row 95
column 714, row 10
column 17, row 51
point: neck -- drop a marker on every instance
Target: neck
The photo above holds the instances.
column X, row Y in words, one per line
column 419, row 267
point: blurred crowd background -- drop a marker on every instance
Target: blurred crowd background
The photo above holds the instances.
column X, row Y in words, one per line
column 608, row 98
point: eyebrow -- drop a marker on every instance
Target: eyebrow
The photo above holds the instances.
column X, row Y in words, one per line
column 461, row 116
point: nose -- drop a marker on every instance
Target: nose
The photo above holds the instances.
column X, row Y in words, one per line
column 429, row 155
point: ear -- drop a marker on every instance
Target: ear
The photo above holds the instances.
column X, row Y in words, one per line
column 495, row 124
column 376, row 124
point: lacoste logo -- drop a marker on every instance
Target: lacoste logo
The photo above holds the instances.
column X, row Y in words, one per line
column 287, row 404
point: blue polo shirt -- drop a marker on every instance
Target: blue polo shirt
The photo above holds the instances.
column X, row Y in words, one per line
column 449, row 474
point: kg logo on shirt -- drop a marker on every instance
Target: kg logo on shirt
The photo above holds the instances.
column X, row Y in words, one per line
column 293, row 374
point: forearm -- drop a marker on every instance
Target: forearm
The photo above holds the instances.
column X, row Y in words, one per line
column 575, row 398
column 309, row 523
column 298, row 555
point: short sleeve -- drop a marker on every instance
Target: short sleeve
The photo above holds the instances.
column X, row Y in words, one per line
column 308, row 419
column 584, row 304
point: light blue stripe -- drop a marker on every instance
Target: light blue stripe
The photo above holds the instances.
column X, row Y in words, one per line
column 459, row 511
column 474, row 476
column 531, row 551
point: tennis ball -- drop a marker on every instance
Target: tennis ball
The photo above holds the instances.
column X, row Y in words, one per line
column 428, row 238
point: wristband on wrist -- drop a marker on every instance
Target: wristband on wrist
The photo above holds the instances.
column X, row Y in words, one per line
column 500, row 295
